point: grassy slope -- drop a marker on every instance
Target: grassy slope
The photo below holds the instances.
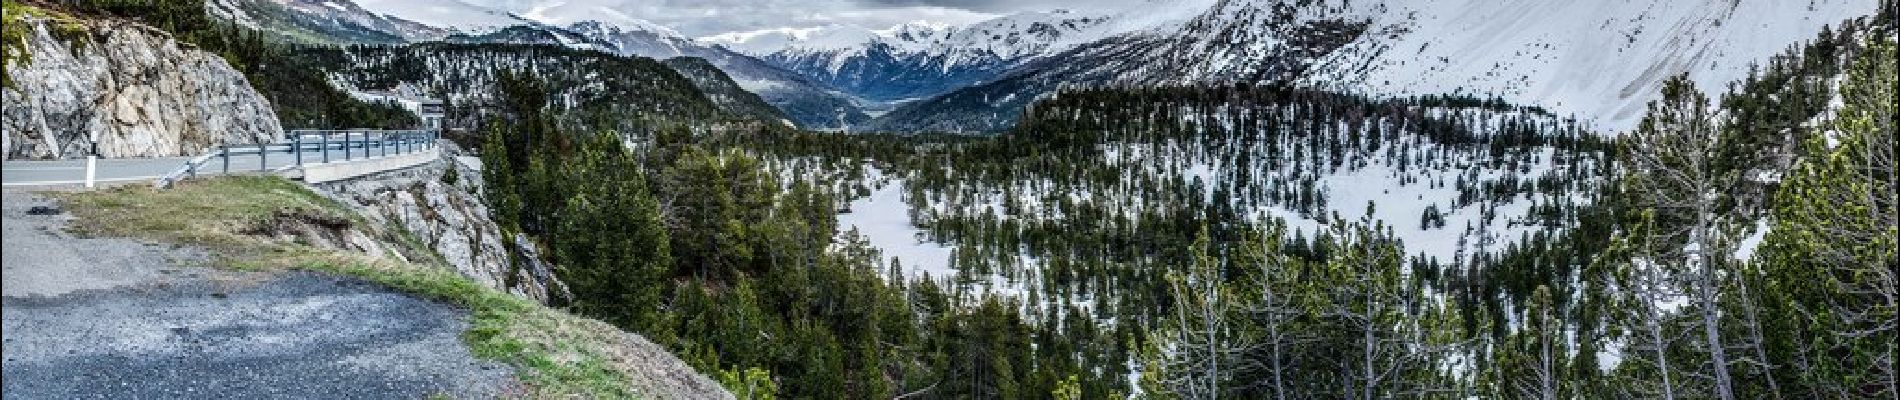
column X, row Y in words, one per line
column 555, row 354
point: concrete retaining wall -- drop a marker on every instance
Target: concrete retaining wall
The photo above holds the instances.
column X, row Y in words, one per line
column 335, row 171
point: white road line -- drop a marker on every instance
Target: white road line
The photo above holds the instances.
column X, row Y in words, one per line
column 44, row 169
column 78, row 182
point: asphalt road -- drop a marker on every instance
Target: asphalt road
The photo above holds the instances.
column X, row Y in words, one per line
column 119, row 318
column 118, row 170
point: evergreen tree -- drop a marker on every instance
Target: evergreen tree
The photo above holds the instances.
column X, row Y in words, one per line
column 1830, row 258
column 1671, row 169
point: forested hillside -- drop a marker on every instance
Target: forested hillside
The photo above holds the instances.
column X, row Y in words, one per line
column 603, row 89
column 1264, row 242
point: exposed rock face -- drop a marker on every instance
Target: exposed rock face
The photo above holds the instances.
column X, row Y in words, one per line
column 453, row 220
column 134, row 90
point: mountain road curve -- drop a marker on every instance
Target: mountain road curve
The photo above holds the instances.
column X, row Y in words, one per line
column 122, row 318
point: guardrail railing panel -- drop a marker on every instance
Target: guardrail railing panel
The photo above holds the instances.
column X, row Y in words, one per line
column 402, row 141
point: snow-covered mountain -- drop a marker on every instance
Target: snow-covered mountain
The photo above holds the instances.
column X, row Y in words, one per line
column 808, row 103
column 1599, row 61
column 323, row 21
column 917, row 60
column 804, row 101
column 448, row 14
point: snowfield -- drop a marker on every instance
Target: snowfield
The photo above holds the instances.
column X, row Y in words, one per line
column 1599, row 60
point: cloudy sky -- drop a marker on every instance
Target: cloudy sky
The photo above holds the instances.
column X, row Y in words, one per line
column 710, row 17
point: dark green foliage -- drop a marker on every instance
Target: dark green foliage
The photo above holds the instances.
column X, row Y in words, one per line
column 1827, row 279
column 185, row 19
column 610, row 242
column 592, row 90
column 299, row 88
column 719, row 200
column 451, row 176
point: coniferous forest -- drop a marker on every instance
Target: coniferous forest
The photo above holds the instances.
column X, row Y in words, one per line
column 1214, row 241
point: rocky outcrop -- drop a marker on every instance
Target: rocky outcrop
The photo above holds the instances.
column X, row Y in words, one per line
column 132, row 89
column 449, row 216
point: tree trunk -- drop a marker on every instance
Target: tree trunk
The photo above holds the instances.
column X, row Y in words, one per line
column 1706, row 294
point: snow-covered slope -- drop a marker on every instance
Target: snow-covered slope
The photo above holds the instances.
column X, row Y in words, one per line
column 1598, row 60
column 322, row 21
column 1601, row 60
column 366, row 21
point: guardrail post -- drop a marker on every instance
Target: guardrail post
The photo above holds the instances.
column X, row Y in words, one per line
column 347, row 153
column 382, row 144
column 224, row 152
column 325, row 147
column 296, row 148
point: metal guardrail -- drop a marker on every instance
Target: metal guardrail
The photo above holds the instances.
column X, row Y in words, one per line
column 371, row 143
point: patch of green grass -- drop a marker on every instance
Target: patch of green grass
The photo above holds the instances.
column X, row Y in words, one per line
column 207, row 212
column 556, row 355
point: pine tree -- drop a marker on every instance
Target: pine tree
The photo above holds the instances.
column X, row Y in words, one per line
column 1831, row 255
column 1370, row 300
column 1201, row 336
column 609, row 242
column 1671, row 169
column 1274, row 311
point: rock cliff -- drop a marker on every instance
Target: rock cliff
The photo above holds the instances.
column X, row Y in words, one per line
column 132, row 89
column 450, row 217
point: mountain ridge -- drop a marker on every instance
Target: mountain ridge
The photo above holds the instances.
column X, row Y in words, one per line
column 1405, row 49
column 804, row 102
